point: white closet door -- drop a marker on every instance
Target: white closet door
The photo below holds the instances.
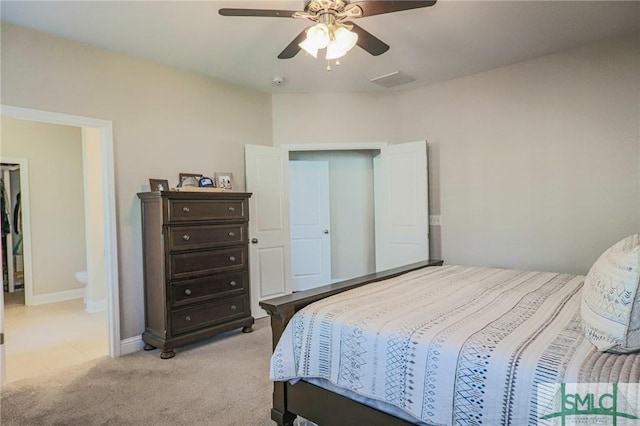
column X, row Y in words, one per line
column 266, row 170
column 310, row 222
column 402, row 206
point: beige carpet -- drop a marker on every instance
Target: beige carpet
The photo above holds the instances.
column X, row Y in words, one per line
column 13, row 299
column 222, row 381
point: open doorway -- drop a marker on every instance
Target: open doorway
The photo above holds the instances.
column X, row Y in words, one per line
column 12, row 250
column 350, row 201
column 98, row 134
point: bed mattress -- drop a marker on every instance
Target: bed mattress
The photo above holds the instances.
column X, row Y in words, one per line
column 450, row 345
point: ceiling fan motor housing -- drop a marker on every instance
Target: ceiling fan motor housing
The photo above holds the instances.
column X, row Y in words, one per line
column 315, row 6
column 329, row 11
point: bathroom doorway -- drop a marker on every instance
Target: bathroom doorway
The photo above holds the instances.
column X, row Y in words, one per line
column 96, row 133
column 62, row 323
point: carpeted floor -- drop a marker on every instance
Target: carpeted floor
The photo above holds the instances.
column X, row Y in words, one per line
column 221, row 381
column 13, row 299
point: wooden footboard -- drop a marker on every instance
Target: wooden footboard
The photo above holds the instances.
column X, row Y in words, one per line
column 288, row 400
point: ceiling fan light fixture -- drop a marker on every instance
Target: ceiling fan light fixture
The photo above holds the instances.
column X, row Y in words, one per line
column 317, row 38
column 334, row 51
column 309, row 47
column 345, row 39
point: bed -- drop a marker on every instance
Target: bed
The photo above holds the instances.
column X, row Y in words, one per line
column 439, row 345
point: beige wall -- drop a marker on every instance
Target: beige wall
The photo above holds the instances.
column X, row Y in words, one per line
column 54, row 155
column 348, row 118
column 165, row 121
column 533, row 166
column 539, row 161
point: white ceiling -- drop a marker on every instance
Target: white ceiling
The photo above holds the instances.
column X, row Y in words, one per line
column 448, row 40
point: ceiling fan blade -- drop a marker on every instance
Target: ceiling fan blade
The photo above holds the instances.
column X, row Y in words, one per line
column 292, row 49
column 378, row 7
column 368, row 41
column 257, row 12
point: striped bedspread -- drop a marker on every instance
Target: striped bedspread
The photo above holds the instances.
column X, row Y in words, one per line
column 451, row 345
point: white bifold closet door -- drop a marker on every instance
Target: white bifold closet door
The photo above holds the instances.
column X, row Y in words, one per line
column 402, row 205
column 267, row 178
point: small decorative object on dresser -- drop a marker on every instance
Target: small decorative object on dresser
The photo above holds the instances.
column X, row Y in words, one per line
column 196, row 273
column 158, row 184
column 224, row 181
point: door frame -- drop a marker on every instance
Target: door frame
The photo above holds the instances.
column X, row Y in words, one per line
column 108, row 189
column 349, row 146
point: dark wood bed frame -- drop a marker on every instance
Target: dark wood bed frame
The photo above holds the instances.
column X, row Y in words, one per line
column 303, row 399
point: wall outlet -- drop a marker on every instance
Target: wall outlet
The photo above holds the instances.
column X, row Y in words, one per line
column 434, row 220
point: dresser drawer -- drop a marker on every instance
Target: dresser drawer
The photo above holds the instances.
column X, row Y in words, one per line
column 199, row 210
column 206, row 314
column 202, row 289
column 203, row 236
column 191, row 264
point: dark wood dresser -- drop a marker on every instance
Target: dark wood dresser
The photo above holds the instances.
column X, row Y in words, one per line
column 196, row 266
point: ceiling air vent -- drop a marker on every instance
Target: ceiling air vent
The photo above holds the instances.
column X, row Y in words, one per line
column 392, row 79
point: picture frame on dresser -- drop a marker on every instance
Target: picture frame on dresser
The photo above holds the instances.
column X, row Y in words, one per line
column 224, row 180
column 159, row 184
column 183, row 176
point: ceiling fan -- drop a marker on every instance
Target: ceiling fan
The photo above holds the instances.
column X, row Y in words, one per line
column 334, row 29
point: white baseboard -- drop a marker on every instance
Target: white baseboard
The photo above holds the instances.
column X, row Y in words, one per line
column 260, row 314
column 60, row 296
column 96, row 306
column 131, row 345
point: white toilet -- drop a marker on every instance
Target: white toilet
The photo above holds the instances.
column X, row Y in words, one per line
column 83, row 278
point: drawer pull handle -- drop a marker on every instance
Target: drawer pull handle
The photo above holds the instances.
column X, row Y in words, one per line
column 233, row 284
column 187, row 318
column 232, row 258
column 232, row 209
column 185, row 209
column 186, row 237
column 232, row 234
column 188, row 292
column 234, row 307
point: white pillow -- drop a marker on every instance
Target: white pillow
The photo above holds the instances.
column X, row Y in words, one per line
column 611, row 299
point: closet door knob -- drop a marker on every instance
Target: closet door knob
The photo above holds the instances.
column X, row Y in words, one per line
column 187, row 292
column 326, row 231
column 186, row 237
column 254, row 241
column 185, row 209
